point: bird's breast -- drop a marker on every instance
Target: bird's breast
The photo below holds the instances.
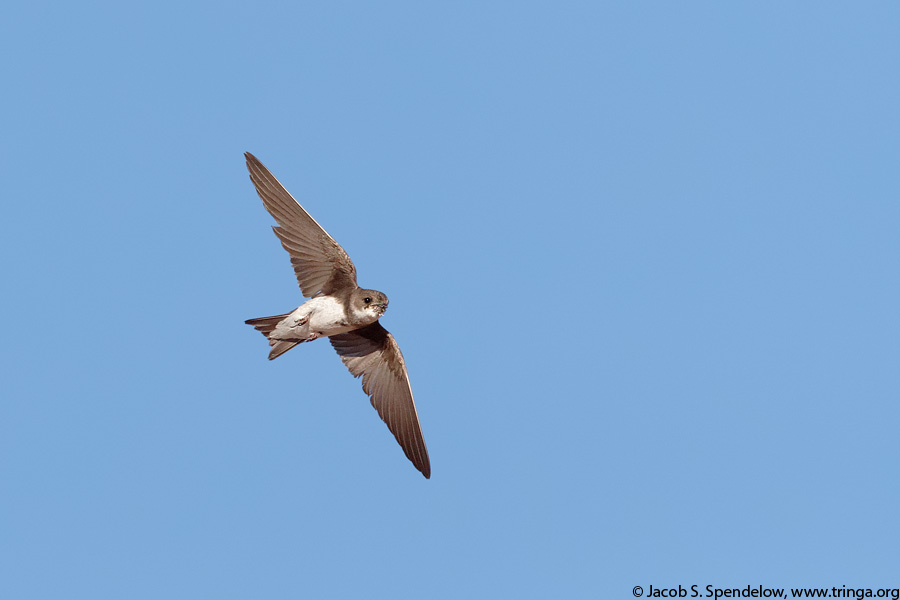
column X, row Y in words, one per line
column 327, row 316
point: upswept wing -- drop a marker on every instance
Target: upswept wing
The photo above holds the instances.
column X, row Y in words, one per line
column 373, row 353
column 320, row 264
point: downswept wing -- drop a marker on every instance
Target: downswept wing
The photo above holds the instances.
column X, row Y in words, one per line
column 320, row 264
column 373, row 353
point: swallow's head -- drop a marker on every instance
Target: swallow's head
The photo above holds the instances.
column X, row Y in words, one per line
column 370, row 303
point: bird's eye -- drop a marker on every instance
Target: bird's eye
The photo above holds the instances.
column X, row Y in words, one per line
column 367, row 300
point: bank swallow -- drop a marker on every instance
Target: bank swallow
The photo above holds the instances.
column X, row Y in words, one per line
column 341, row 311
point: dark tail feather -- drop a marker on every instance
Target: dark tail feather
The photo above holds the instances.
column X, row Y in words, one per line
column 266, row 325
column 279, row 347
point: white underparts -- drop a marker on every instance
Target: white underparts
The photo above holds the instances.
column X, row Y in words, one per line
column 321, row 316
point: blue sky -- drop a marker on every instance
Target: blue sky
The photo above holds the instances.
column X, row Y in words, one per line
column 642, row 261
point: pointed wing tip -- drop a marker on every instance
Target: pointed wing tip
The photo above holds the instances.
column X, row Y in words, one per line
column 252, row 161
column 422, row 462
column 418, row 457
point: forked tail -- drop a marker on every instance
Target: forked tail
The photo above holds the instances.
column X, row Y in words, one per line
column 266, row 325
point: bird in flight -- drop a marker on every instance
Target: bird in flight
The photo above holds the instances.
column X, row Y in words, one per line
column 341, row 311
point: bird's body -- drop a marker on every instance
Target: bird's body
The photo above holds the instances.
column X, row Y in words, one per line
column 340, row 310
column 321, row 316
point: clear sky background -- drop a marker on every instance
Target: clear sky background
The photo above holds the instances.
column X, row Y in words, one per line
column 642, row 261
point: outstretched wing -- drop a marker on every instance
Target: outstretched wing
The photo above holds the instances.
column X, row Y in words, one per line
column 321, row 265
column 373, row 353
